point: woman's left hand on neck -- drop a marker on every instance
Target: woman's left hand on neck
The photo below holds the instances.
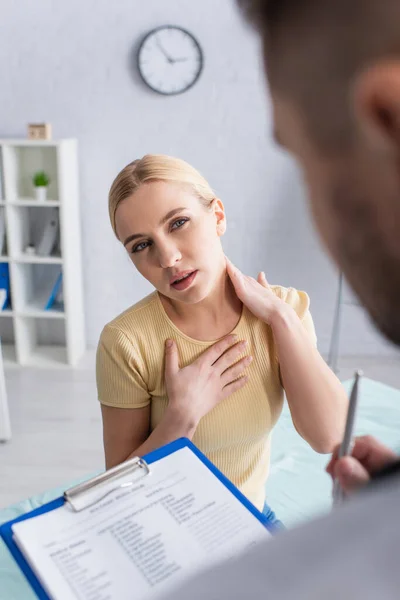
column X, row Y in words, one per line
column 256, row 294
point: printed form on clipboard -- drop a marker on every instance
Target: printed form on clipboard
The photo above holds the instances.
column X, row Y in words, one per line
column 137, row 530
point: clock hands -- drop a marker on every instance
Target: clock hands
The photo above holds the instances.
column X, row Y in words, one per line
column 167, row 56
column 169, row 59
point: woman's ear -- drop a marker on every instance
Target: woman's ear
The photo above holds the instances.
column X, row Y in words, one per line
column 220, row 218
column 377, row 104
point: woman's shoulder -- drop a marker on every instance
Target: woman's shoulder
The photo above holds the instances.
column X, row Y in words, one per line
column 133, row 319
column 297, row 299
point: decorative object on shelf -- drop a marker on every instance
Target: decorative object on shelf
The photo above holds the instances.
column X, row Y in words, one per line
column 39, row 131
column 170, row 60
column 41, row 181
column 49, row 233
column 5, row 285
column 30, row 250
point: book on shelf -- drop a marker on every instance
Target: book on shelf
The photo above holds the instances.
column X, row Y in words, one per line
column 48, row 234
column 2, row 230
column 5, row 285
column 3, row 297
column 55, row 298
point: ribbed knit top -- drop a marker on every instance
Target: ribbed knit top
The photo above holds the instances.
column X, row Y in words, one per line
column 235, row 435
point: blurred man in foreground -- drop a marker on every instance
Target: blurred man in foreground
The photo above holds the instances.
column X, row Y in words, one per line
column 333, row 68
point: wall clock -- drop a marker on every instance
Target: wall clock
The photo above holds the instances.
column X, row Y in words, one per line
column 170, row 60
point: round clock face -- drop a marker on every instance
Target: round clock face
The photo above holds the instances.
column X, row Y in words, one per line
column 170, row 60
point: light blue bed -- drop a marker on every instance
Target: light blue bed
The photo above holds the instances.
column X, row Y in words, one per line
column 297, row 489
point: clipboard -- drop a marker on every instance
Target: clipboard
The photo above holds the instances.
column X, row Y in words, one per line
column 74, row 496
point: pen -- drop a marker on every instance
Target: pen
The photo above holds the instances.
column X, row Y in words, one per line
column 345, row 446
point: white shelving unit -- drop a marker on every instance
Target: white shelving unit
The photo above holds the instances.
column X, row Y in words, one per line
column 31, row 335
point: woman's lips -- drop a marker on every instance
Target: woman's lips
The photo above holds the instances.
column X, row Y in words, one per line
column 183, row 284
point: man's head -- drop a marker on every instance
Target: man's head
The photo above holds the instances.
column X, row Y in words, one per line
column 334, row 73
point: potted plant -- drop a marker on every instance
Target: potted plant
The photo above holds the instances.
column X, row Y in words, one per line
column 41, row 180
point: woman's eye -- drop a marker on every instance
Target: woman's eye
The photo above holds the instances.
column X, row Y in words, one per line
column 177, row 224
column 139, row 247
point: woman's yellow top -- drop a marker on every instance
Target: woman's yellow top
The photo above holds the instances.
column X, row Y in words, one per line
column 235, row 435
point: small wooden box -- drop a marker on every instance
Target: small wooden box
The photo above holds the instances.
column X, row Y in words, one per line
column 39, row 131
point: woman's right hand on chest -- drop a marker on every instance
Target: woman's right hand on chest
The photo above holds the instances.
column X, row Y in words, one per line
column 196, row 389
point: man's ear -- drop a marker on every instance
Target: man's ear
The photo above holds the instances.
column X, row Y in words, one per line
column 220, row 218
column 377, row 104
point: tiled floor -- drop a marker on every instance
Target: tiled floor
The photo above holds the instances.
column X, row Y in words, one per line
column 56, row 424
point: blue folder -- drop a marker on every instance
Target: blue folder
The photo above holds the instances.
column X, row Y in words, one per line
column 5, row 284
column 54, row 293
column 7, row 535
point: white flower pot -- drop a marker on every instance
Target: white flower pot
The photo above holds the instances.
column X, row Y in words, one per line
column 41, row 193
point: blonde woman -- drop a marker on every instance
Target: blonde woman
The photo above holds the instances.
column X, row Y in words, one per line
column 210, row 352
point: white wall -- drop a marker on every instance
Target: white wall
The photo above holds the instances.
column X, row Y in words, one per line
column 70, row 63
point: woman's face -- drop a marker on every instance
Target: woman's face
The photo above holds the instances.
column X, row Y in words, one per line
column 173, row 240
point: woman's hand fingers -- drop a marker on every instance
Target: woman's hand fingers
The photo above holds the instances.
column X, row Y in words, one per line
column 262, row 280
column 212, row 354
column 236, row 276
column 229, row 357
column 244, row 284
column 256, row 294
column 234, row 386
column 230, row 267
column 196, row 389
column 235, row 370
column 171, row 359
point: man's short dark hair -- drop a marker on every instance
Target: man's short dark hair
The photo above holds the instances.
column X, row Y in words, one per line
column 271, row 12
column 314, row 50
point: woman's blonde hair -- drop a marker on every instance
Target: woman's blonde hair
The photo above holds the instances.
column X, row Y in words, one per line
column 156, row 167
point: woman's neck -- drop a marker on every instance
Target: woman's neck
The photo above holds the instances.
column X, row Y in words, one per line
column 212, row 318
